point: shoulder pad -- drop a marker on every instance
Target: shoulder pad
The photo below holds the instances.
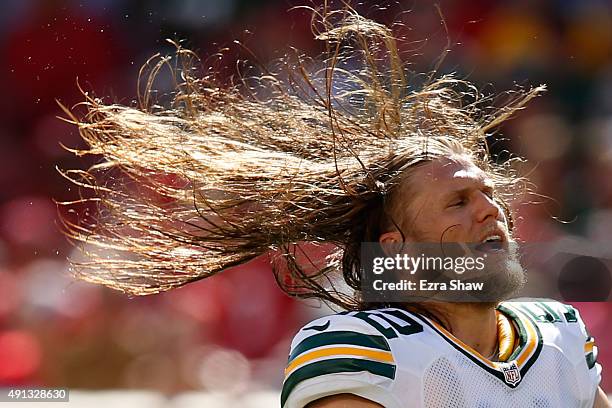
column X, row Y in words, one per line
column 340, row 345
column 574, row 334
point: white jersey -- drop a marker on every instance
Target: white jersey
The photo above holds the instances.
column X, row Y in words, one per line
column 400, row 359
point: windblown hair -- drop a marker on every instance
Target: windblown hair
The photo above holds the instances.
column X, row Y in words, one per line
column 311, row 156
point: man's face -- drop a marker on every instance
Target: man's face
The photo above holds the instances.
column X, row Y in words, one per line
column 450, row 202
column 453, row 202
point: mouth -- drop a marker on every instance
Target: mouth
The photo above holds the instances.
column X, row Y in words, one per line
column 493, row 242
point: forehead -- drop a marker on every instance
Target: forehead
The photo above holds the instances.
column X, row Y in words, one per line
column 447, row 174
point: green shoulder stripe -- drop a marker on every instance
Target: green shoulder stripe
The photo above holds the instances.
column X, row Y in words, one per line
column 591, row 359
column 570, row 314
column 542, row 312
column 340, row 337
column 551, row 315
column 534, row 311
column 337, row 365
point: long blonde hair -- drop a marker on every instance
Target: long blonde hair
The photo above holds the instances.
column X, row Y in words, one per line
column 225, row 174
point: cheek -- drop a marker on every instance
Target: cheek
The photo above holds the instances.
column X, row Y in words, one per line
column 452, row 227
column 453, row 233
column 442, row 233
column 435, row 225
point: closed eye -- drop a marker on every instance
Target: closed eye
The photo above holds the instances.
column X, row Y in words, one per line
column 457, row 203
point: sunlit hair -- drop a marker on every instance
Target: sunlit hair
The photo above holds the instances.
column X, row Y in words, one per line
column 312, row 153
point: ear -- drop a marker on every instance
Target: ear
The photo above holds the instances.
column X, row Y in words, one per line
column 391, row 237
column 391, row 242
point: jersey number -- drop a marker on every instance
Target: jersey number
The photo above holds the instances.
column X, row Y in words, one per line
column 411, row 326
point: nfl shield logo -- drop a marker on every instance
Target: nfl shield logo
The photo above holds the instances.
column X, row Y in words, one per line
column 512, row 375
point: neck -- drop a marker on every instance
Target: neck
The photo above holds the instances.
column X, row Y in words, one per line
column 475, row 324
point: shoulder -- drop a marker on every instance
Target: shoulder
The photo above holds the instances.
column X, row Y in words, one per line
column 334, row 329
column 563, row 329
column 546, row 311
column 380, row 325
column 350, row 352
column 551, row 316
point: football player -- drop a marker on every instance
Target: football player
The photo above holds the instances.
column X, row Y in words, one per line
column 437, row 354
column 335, row 152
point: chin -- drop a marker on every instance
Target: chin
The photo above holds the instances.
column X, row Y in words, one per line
column 503, row 279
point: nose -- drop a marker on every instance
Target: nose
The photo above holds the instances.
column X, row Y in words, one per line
column 486, row 207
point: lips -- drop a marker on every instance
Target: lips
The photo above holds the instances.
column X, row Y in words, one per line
column 493, row 241
column 490, row 247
